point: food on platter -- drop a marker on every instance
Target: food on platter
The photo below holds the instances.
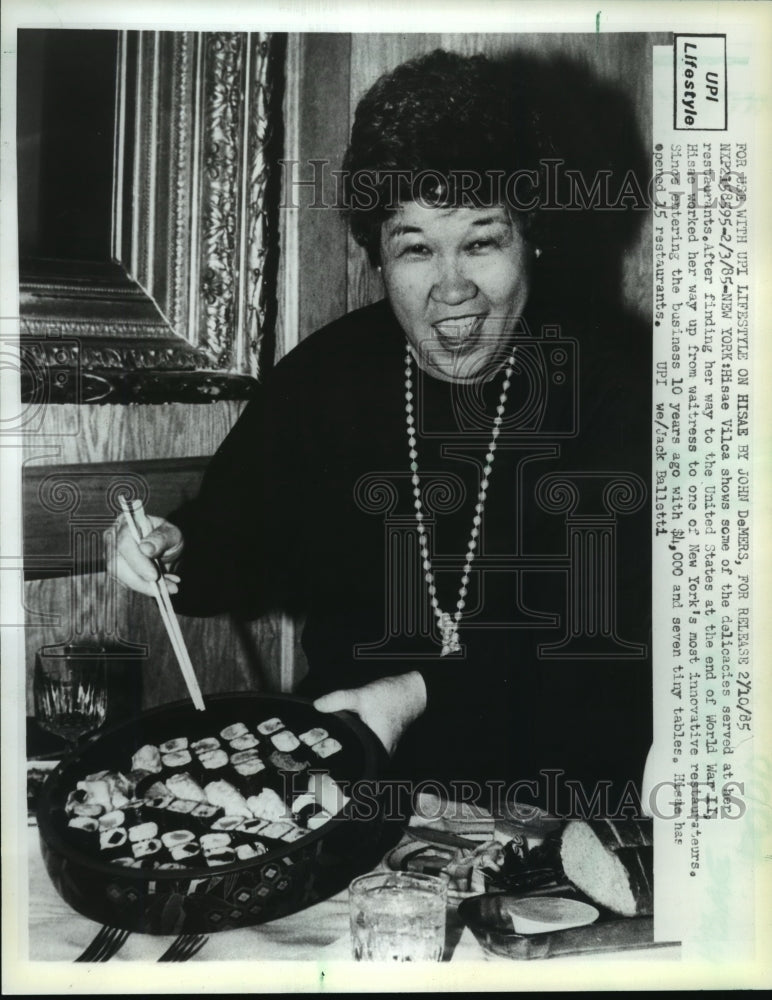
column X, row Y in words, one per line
column 229, row 796
column 147, row 758
column 285, row 741
column 234, row 731
column 222, row 793
column 327, row 793
column 182, row 786
column 268, row 805
column 313, row 736
column 326, row 747
column 270, row 726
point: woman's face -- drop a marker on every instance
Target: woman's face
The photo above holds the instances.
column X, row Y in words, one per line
column 457, row 280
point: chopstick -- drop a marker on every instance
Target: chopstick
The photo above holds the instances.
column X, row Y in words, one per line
column 139, row 526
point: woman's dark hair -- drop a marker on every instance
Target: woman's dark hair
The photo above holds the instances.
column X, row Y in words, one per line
column 440, row 129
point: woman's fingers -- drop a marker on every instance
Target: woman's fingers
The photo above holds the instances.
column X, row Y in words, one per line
column 339, row 701
column 387, row 705
column 123, row 571
column 163, row 542
column 134, row 564
column 359, row 701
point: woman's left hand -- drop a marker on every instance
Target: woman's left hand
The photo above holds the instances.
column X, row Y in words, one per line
column 387, row 705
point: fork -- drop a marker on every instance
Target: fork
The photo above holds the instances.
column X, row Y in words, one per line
column 105, row 944
column 184, row 947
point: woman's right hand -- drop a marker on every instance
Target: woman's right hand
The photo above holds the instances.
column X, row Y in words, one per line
column 133, row 564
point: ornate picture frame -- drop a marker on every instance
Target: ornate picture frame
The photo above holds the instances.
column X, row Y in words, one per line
column 185, row 308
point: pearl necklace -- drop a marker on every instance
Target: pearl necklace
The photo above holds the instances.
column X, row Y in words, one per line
column 448, row 625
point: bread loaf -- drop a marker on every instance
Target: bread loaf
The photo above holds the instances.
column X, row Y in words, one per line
column 612, row 862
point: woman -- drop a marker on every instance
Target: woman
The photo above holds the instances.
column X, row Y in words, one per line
column 386, row 482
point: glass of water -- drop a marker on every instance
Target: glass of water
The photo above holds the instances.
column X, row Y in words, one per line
column 398, row 916
column 70, row 688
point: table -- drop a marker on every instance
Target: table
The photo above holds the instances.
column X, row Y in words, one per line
column 57, row 933
column 317, row 934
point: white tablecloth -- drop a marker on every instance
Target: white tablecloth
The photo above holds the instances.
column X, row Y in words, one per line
column 57, row 933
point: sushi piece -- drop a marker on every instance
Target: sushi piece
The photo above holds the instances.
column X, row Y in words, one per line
column 313, row 736
column 244, row 755
column 146, row 850
column 118, row 789
column 245, row 742
column 84, row 824
column 245, row 852
column 305, row 807
column 84, row 831
column 328, row 794
column 97, row 792
column 113, row 842
column 222, row 793
column 293, row 834
column 226, row 823
column 300, row 802
column 225, row 856
column 182, row 786
column 252, row 827
column 176, row 838
column 143, row 831
column 92, row 809
column 154, row 788
column 186, row 853
column 327, row 747
column 249, row 777
column 77, row 797
column 214, row 841
column 126, row 862
column 108, row 821
column 177, row 761
column 168, row 864
column 215, row 763
column 231, row 732
column 180, row 807
column 268, row 805
column 286, row 762
column 276, row 831
column 318, row 819
column 147, row 758
column 204, row 815
column 79, row 804
column 170, row 746
column 207, row 743
column 270, row 726
column 285, row 741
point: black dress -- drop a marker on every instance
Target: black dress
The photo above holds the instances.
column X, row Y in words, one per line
column 308, row 506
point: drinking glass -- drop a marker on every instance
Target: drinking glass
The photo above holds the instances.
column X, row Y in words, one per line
column 70, row 690
column 398, row 916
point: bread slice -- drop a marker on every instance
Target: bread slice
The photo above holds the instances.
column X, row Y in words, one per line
column 612, row 862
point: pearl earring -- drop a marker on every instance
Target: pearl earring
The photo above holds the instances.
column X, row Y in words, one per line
column 537, row 253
